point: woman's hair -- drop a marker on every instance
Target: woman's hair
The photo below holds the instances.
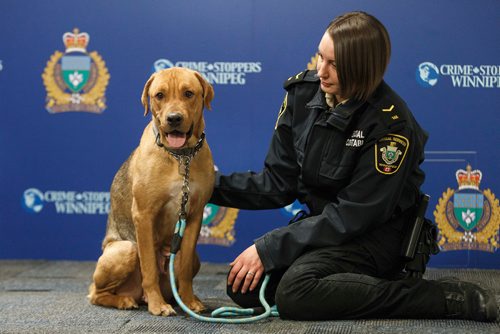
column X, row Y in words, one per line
column 362, row 53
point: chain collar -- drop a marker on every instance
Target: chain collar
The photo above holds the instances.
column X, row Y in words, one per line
column 184, row 164
column 183, row 157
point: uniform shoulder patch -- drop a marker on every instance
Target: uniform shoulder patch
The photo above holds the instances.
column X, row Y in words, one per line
column 307, row 75
column 282, row 110
column 390, row 152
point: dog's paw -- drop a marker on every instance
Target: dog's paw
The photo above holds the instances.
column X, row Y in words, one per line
column 161, row 309
column 126, row 303
column 196, row 306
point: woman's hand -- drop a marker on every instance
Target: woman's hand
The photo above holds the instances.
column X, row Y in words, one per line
column 247, row 269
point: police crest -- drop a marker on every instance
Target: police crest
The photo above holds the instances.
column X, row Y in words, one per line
column 75, row 80
column 314, row 61
column 468, row 218
column 218, row 225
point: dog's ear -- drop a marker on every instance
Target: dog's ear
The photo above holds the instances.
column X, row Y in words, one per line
column 145, row 93
column 208, row 90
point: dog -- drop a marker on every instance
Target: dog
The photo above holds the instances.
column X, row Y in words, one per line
column 146, row 199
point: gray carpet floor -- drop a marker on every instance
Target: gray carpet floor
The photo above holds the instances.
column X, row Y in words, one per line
column 50, row 297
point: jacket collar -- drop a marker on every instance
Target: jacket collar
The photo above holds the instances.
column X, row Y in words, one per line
column 338, row 117
column 318, row 100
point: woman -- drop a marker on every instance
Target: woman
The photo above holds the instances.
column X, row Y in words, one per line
column 347, row 146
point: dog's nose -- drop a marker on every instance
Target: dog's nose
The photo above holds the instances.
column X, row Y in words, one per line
column 174, row 119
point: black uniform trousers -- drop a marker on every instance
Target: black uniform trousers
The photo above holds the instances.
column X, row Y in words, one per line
column 356, row 280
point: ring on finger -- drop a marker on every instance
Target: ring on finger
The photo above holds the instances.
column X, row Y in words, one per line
column 250, row 273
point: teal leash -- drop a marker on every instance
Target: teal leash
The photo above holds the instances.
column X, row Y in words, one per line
column 222, row 311
column 184, row 164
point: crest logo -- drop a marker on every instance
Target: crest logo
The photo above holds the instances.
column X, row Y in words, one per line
column 387, row 157
column 32, row 200
column 390, row 153
column 75, row 80
column 218, row 225
column 314, row 61
column 468, row 218
column 427, row 74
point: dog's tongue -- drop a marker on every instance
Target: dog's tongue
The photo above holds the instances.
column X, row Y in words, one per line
column 176, row 139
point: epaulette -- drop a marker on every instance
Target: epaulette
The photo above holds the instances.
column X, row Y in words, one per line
column 391, row 109
column 391, row 114
column 307, row 75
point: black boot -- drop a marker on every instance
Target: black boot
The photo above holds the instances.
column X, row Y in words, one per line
column 466, row 300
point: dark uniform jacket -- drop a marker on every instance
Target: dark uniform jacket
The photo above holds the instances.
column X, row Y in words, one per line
column 355, row 166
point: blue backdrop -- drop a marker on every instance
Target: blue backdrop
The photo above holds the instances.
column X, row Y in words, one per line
column 61, row 144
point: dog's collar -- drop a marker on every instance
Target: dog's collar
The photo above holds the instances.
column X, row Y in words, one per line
column 182, row 152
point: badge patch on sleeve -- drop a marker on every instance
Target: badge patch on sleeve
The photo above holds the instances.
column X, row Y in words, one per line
column 390, row 152
column 282, row 110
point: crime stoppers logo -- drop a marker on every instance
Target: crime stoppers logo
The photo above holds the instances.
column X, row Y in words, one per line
column 217, row 226
column 293, row 209
column 468, row 218
column 32, row 200
column 66, row 202
column 219, row 72
column 75, row 80
column 427, row 74
column 463, row 76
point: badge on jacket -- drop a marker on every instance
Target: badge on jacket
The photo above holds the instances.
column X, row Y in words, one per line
column 282, row 111
column 390, row 152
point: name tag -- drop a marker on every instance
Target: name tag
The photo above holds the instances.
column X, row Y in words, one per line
column 357, row 139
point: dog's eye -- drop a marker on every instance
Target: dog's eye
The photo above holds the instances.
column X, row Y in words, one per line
column 159, row 96
column 188, row 94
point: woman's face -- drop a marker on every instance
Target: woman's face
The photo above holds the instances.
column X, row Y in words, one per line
column 327, row 68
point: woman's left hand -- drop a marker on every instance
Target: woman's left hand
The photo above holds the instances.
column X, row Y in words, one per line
column 247, row 269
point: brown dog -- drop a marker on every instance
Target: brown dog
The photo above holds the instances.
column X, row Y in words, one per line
column 146, row 198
